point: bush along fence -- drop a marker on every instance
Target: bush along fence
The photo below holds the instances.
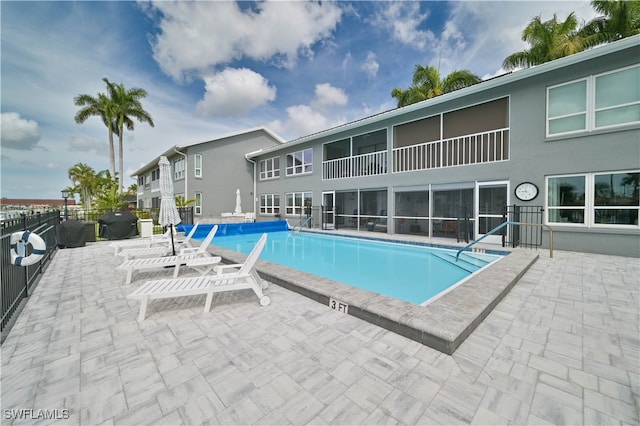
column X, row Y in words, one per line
column 18, row 281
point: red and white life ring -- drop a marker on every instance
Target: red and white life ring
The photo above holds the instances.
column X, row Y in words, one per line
column 27, row 237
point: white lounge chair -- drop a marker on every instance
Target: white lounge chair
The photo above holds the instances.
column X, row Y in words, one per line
column 141, row 242
column 244, row 277
column 176, row 261
column 150, row 241
column 165, row 249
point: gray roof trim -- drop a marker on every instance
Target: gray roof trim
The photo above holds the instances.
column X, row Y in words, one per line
column 171, row 151
column 489, row 84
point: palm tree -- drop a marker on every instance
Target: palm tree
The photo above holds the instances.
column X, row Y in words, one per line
column 109, row 198
column 182, row 202
column 84, row 179
column 427, row 83
column 100, row 106
column 126, row 106
column 549, row 40
column 619, row 19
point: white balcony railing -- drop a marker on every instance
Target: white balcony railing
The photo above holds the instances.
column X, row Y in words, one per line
column 374, row 163
column 486, row 147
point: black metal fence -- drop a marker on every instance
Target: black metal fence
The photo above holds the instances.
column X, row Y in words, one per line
column 17, row 281
column 520, row 235
column 186, row 216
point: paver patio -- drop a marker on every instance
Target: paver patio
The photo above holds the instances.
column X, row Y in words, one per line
column 563, row 347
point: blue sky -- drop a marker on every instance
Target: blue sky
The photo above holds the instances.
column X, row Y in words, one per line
column 217, row 67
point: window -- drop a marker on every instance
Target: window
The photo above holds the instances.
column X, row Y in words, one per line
column 178, row 168
column 269, row 204
column 197, row 209
column 296, row 201
column 197, row 161
column 618, row 98
column 594, row 199
column 616, row 198
column 567, row 108
column 270, row 168
column 300, row 162
column 596, row 102
column 566, row 199
column 155, row 174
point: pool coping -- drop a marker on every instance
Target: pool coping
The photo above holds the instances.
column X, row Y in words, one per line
column 442, row 325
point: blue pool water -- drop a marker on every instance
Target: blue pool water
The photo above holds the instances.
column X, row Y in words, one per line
column 411, row 273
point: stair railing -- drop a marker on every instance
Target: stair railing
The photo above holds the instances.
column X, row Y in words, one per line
column 302, row 223
column 502, row 225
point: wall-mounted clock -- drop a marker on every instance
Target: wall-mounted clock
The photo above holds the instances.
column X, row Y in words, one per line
column 526, row 191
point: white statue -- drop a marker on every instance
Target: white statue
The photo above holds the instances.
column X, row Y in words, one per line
column 238, row 209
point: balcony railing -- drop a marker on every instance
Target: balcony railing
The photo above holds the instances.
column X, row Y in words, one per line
column 374, row 163
column 486, row 147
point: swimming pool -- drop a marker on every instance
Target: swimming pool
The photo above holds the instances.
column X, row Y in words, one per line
column 411, row 273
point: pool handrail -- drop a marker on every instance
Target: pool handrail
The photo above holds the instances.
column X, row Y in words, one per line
column 502, row 225
column 302, row 223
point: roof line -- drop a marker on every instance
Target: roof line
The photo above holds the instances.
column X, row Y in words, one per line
column 169, row 151
column 484, row 85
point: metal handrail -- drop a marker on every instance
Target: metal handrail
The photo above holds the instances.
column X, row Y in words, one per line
column 502, row 225
column 302, row 223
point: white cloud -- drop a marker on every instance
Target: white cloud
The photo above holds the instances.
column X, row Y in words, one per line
column 19, row 133
column 196, row 36
column 234, row 92
column 371, row 65
column 78, row 144
column 301, row 120
column 474, row 40
column 327, row 95
column 319, row 115
column 402, row 20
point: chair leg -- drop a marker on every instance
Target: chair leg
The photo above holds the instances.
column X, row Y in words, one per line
column 176, row 270
column 129, row 275
column 143, row 309
column 207, row 305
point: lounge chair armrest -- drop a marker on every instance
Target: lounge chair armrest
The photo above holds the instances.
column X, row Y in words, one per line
column 221, row 268
column 188, row 250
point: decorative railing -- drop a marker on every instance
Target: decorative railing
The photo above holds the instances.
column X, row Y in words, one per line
column 374, row 163
column 17, row 281
column 486, row 147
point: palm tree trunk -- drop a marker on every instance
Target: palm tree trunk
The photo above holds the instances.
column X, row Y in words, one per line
column 112, row 154
column 120, row 158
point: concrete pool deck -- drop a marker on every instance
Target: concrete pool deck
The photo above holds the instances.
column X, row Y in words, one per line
column 442, row 325
column 562, row 347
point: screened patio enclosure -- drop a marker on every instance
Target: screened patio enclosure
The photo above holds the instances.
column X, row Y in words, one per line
column 460, row 211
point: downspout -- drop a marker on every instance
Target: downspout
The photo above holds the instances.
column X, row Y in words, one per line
column 186, row 172
column 255, row 185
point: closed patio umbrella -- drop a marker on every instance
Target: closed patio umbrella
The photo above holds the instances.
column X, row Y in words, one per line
column 169, row 215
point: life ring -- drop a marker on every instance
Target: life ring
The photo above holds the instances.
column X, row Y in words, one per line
column 27, row 237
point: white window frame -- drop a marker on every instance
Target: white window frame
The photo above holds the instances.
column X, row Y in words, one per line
column 301, row 168
column 197, row 205
column 197, row 165
column 268, row 169
column 293, row 209
column 178, row 168
column 590, row 108
column 590, row 207
column 273, row 208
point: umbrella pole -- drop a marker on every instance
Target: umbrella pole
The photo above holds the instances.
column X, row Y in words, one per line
column 172, row 244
